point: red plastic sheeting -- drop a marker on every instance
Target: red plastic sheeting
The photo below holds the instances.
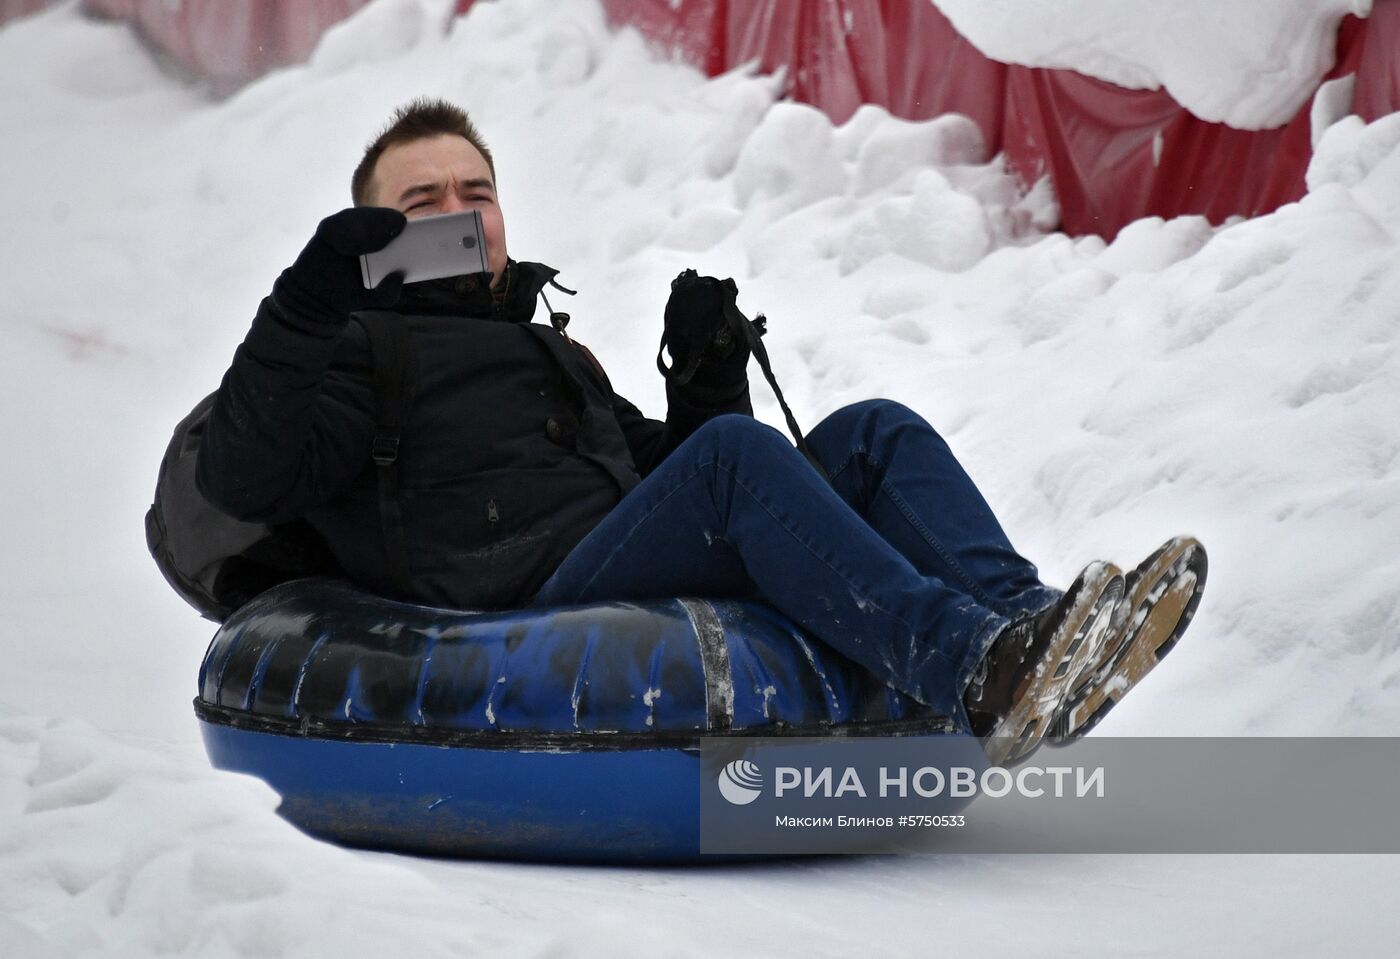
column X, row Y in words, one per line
column 1114, row 155
column 1117, row 155
column 695, row 30
column 837, row 54
column 1378, row 65
column 226, row 43
column 934, row 70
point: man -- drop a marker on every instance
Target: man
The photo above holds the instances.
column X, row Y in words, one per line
column 524, row 479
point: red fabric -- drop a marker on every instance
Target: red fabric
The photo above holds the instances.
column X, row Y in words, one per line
column 694, row 30
column 833, row 51
column 933, row 70
column 1218, row 171
column 1378, row 62
column 838, row 54
column 1113, row 155
column 1079, row 130
column 229, row 44
column 1118, row 155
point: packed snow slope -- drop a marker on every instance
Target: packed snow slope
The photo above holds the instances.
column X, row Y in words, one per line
column 1241, row 384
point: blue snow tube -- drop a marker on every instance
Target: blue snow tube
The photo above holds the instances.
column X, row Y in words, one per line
column 563, row 734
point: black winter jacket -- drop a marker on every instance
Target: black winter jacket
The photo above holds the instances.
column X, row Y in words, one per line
column 514, row 448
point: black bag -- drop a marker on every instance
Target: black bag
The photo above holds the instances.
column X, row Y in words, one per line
column 217, row 563
column 692, row 296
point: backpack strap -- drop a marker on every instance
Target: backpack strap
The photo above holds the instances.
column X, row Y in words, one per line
column 592, row 361
column 393, row 392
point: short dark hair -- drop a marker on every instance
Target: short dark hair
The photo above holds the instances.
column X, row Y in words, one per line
column 422, row 119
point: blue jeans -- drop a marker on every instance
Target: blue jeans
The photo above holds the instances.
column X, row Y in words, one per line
column 899, row 563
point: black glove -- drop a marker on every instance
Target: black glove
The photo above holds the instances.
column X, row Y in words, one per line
column 325, row 285
column 706, row 336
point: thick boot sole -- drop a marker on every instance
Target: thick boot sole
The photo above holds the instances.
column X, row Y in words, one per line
column 1089, row 604
column 1163, row 595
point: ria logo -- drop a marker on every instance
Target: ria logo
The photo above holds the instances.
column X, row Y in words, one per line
column 740, row 782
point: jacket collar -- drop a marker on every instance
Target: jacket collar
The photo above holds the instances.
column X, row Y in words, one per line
column 471, row 295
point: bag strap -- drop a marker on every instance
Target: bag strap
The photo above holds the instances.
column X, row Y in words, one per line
column 393, row 390
column 737, row 324
column 753, row 330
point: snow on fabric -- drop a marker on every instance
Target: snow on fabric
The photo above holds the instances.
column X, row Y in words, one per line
column 1239, row 383
column 1251, row 64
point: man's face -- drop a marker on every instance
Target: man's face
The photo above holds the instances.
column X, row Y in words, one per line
column 444, row 174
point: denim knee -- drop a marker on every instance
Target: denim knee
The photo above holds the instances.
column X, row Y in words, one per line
column 735, row 430
column 859, row 428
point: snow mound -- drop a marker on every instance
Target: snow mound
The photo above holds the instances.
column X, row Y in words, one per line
column 1251, row 65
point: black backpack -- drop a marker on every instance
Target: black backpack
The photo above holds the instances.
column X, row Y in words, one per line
column 217, row 563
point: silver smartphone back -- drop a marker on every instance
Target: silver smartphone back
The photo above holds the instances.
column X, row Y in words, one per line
column 446, row 244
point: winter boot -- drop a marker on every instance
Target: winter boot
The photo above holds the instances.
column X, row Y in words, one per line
column 1020, row 686
column 1161, row 597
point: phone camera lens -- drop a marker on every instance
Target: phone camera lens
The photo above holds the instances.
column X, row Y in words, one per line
column 469, row 242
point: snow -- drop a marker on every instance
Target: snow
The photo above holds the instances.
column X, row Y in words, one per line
column 1252, row 64
column 1238, row 383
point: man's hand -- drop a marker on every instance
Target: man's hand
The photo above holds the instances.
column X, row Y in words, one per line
column 324, row 286
column 705, row 336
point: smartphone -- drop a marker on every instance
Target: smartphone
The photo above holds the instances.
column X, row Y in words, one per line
column 447, row 244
